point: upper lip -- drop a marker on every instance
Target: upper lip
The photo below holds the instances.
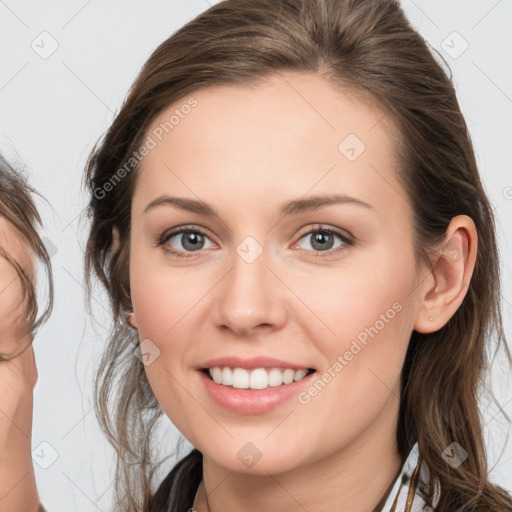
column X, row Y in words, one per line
column 250, row 363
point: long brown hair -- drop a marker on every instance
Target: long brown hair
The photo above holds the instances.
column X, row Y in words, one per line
column 18, row 208
column 368, row 47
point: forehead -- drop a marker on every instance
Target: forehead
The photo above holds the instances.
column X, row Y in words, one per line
column 293, row 132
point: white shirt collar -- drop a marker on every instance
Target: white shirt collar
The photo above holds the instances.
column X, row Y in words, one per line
column 411, row 487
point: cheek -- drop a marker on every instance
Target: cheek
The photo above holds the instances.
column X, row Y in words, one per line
column 366, row 317
column 364, row 359
column 348, row 300
column 160, row 295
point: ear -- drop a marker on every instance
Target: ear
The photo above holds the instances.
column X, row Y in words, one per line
column 115, row 240
column 131, row 320
column 444, row 289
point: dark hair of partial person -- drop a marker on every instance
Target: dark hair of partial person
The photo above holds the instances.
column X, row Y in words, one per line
column 366, row 48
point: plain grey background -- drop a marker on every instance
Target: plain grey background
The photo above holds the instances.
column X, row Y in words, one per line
column 66, row 66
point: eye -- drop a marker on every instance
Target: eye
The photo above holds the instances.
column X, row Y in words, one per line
column 322, row 239
column 190, row 240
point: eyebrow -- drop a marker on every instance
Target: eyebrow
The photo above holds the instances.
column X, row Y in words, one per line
column 294, row 207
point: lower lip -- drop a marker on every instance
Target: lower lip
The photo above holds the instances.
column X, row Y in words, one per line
column 255, row 401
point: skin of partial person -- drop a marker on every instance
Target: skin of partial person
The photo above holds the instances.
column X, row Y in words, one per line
column 247, row 151
column 18, row 376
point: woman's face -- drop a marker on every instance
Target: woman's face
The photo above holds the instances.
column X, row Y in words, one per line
column 257, row 283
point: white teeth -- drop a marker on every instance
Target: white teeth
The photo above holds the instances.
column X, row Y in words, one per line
column 259, row 378
column 240, row 378
column 227, row 376
column 288, row 375
column 275, row 377
column 216, row 374
column 300, row 374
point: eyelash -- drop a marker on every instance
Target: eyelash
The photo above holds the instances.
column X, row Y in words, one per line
column 166, row 236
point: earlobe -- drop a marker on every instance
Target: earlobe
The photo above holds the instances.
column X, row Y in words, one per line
column 451, row 274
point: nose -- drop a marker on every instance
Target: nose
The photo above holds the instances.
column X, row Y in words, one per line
column 250, row 298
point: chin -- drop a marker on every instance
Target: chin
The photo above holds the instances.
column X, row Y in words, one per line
column 254, row 459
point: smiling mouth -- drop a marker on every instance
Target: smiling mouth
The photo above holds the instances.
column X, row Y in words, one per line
column 255, row 379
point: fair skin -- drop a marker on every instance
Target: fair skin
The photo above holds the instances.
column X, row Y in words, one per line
column 246, row 151
column 18, row 376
